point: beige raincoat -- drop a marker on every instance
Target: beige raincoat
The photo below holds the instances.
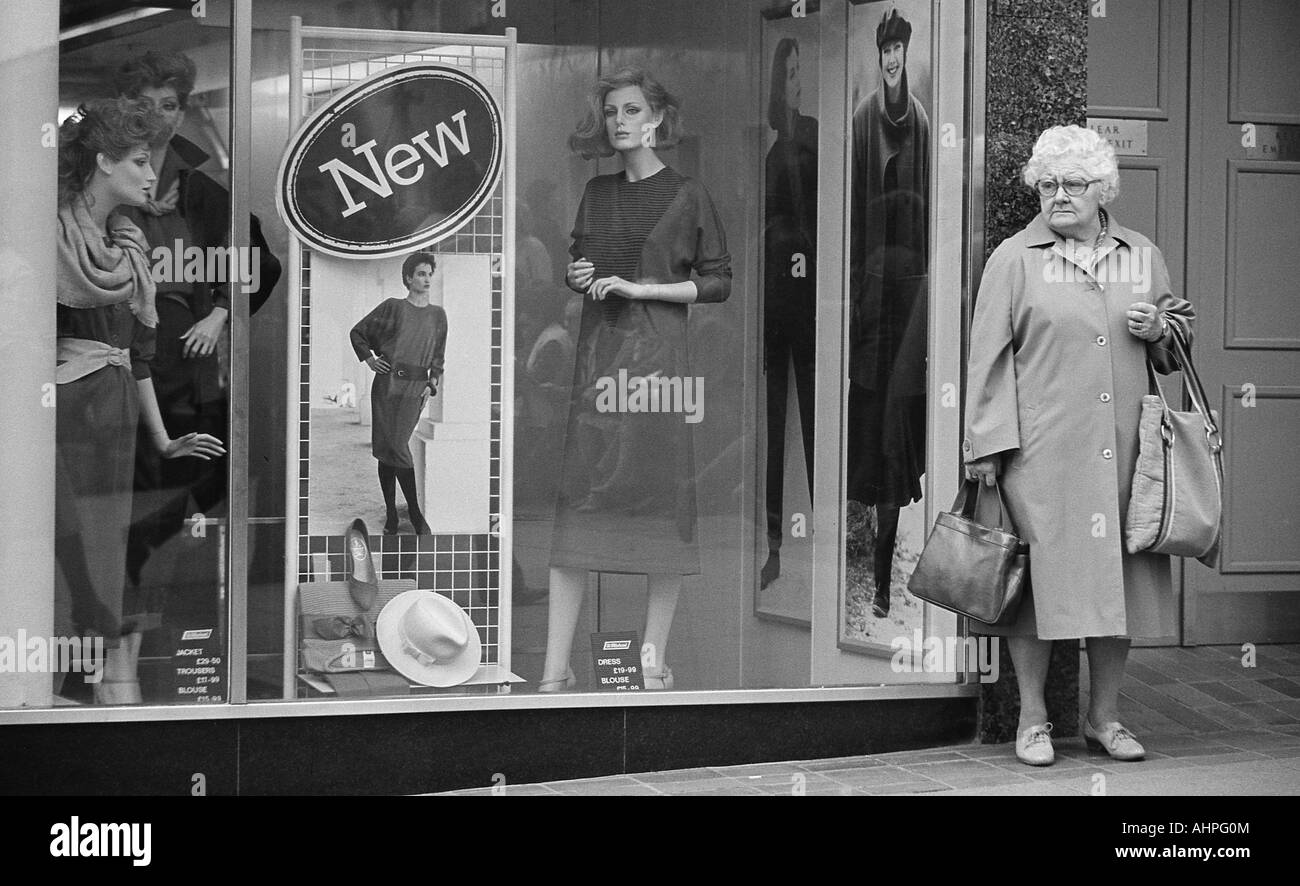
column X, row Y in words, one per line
column 1055, row 384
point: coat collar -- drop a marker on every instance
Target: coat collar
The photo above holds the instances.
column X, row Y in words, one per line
column 187, row 152
column 1037, row 233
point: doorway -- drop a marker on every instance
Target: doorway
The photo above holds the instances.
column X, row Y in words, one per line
column 1210, row 170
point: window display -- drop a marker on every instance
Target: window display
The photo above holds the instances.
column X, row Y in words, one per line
column 401, row 293
column 558, row 340
column 107, row 322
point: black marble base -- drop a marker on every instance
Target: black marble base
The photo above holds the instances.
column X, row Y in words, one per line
column 426, row 752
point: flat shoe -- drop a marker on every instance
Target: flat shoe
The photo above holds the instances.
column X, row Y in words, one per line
column 363, row 581
column 117, row 692
column 1034, row 746
column 567, row 682
column 661, row 679
column 1114, row 739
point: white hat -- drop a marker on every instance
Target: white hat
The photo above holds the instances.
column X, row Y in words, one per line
column 429, row 639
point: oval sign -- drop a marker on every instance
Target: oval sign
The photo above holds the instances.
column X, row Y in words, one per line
column 405, row 158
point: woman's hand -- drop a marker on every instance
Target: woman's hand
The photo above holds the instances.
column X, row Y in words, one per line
column 432, row 387
column 204, row 446
column 579, row 275
column 166, row 203
column 985, row 469
column 378, row 364
column 606, row 286
column 1146, row 322
column 201, row 338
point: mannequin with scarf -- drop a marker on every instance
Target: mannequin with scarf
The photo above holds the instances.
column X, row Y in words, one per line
column 889, row 258
column 189, row 210
column 106, row 317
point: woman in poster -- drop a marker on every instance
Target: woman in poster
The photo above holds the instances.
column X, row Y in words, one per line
column 789, row 281
column 627, row 500
column 105, row 320
column 403, row 341
column 889, row 259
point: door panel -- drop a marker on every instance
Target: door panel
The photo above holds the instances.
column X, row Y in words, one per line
column 1264, row 67
column 1129, row 73
column 1262, row 200
column 1242, row 266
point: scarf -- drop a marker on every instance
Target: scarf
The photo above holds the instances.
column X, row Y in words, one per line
column 94, row 272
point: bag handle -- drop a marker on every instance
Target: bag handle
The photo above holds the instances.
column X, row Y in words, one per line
column 966, row 504
column 1195, row 388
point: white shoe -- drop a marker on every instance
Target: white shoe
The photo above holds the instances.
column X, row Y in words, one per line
column 1114, row 739
column 1034, row 745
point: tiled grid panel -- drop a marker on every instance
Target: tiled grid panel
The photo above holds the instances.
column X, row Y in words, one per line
column 465, row 568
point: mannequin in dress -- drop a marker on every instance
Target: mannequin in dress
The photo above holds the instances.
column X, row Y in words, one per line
column 647, row 242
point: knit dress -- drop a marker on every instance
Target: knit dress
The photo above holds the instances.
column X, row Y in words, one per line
column 409, row 338
column 627, row 500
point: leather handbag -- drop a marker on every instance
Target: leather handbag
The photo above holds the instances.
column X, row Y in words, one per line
column 1176, row 503
column 975, row 570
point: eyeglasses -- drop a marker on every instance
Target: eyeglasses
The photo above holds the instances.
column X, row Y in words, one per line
column 1074, row 186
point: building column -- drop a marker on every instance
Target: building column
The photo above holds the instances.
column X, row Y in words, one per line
column 29, row 71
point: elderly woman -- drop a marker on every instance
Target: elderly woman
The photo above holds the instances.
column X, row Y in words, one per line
column 1069, row 311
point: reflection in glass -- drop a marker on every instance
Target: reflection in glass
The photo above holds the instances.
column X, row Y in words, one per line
column 789, row 281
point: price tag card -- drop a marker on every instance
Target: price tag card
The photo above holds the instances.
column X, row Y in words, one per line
column 199, row 666
column 616, row 657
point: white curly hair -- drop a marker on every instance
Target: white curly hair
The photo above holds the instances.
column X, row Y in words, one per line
column 1061, row 148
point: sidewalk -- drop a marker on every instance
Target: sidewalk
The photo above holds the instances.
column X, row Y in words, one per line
column 1210, row 725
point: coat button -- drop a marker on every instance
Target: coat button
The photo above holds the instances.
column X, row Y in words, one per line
column 1106, row 453
column 1105, row 398
column 1101, row 341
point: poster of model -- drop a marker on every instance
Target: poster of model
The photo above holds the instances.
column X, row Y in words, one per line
column 789, row 309
column 890, row 76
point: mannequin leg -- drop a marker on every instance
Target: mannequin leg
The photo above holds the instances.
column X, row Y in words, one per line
column 886, row 535
column 406, row 477
column 661, row 605
column 563, row 605
column 805, row 367
column 777, row 391
column 120, row 681
column 388, row 485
